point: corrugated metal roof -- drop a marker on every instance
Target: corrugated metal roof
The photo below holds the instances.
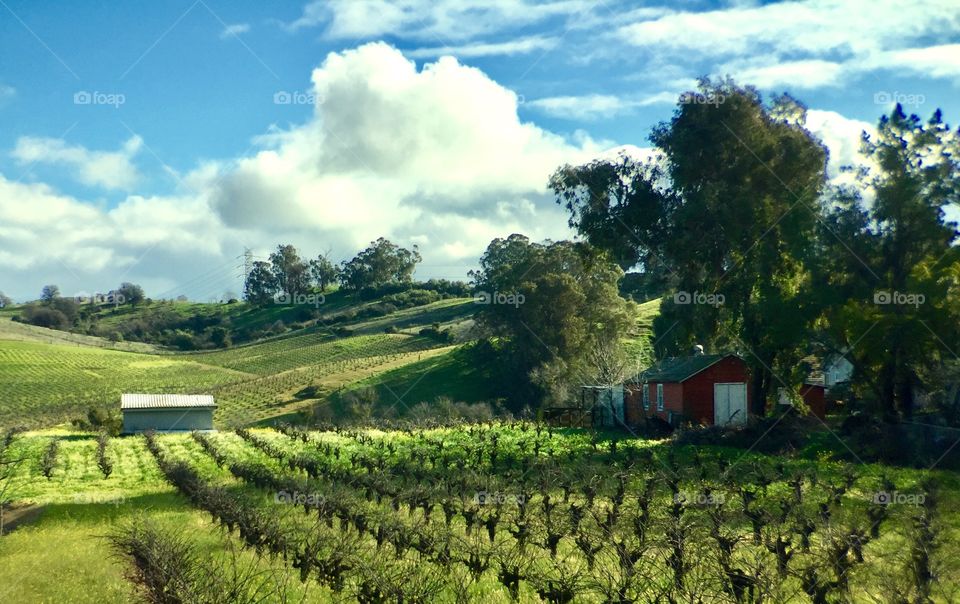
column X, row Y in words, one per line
column 166, row 401
column 679, row 369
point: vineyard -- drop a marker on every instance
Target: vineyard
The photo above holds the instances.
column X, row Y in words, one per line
column 43, row 384
column 522, row 512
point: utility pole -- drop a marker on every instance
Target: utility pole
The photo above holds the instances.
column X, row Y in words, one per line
column 247, row 263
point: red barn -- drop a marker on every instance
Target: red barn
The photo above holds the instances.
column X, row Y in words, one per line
column 703, row 389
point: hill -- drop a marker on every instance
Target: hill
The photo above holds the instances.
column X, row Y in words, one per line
column 49, row 376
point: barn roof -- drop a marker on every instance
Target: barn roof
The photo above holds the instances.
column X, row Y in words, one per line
column 166, row 401
column 679, row 369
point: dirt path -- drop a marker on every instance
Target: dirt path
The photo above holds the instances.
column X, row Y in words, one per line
column 15, row 517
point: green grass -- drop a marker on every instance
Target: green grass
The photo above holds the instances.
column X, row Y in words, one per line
column 452, row 374
column 49, row 383
column 64, row 555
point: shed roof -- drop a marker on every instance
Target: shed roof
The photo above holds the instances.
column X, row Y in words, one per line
column 679, row 369
column 166, row 401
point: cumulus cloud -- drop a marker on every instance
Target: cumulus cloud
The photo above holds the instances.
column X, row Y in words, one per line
column 435, row 155
column 393, row 149
column 842, row 136
column 112, row 170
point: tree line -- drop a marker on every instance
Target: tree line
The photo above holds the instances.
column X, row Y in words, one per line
column 736, row 206
column 285, row 273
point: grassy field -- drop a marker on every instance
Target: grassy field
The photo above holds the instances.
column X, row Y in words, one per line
column 491, row 512
column 64, row 554
column 48, row 377
column 46, row 384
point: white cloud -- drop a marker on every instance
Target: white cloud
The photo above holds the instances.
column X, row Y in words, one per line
column 806, row 44
column 435, row 155
column 107, row 169
column 393, row 149
column 942, row 61
column 430, row 19
column 842, row 137
column 509, row 48
column 804, row 74
column 234, row 29
column 597, row 106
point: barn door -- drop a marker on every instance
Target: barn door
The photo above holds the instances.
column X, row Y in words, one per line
column 730, row 403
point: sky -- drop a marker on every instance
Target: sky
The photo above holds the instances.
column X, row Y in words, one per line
column 154, row 142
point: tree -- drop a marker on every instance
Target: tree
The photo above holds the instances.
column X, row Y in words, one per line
column 290, row 272
column 547, row 305
column 324, row 272
column 49, row 292
column 131, row 293
column 381, row 263
column 260, row 286
column 889, row 270
column 5, row 300
column 728, row 210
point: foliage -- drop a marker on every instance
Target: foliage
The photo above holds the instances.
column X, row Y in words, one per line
column 381, row 263
column 550, row 303
column 324, row 272
column 49, row 292
column 261, row 284
column 290, row 273
column 131, row 292
column 890, row 272
column 714, row 214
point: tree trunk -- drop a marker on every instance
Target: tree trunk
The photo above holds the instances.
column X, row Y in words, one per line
column 888, row 389
column 760, row 390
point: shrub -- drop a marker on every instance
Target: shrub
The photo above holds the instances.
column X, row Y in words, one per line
column 49, row 460
column 435, row 333
column 45, row 317
column 104, row 463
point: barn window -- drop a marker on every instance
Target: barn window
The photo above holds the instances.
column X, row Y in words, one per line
column 659, row 397
column 646, row 396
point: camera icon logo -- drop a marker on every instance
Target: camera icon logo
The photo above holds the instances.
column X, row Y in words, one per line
column 682, row 298
column 282, row 97
column 882, row 297
column 881, row 498
column 82, row 97
column 882, row 98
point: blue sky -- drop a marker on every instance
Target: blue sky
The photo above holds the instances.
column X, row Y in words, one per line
column 153, row 141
